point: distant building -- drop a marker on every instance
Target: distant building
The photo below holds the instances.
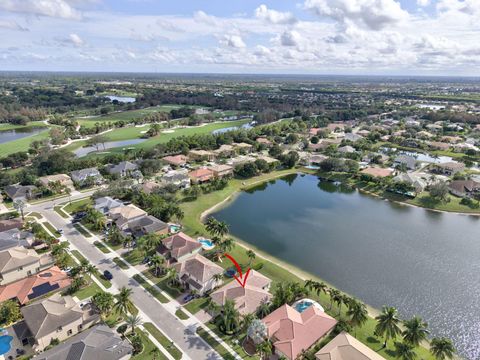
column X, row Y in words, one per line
column 177, row 160
column 201, row 155
column 63, row 179
column 448, row 168
column 21, row 192
column 377, row 172
column 106, row 204
column 221, row 171
column 178, row 178
column 405, row 160
column 84, row 176
column 123, row 169
column 201, row 175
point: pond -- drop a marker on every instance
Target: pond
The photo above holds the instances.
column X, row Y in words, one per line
column 422, row 262
column 83, row 151
column 11, row 135
column 122, row 99
column 224, row 130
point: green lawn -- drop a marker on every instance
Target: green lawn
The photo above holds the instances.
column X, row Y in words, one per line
column 51, row 228
column 278, row 273
column 162, row 283
column 148, row 348
column 196, row 305
column 120, row 263
column 152, row 290
column 87, row 291
column 181, row 314
column 102, row 247
column 36, row 215
column 59, row 211
column 78, row 205
column 22, row 144
column 167, row 344
column 82, row 231
column 133, row 257
column 234, row 341
column 215, row 344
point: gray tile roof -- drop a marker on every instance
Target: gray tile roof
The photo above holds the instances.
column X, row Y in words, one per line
column 98, row 343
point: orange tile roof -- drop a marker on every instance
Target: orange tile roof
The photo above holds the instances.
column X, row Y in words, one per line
column 21, row 289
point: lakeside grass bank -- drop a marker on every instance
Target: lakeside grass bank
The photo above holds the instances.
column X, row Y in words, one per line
column 275, row 269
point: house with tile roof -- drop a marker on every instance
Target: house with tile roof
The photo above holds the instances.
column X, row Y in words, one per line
column 198, row 273
column 178, row 247
column 247, row 299
column 176, row 160
column 291, row 331
column 201, row 175
column 345, row 347
column 18, row 262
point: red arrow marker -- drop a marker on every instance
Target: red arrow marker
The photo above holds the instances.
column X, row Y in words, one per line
column 242, row 280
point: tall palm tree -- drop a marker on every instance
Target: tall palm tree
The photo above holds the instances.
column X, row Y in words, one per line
column 172, row 275
column 229, row 319
column 103, row 302
column 90, row 270
column 133, row 321
column 263, row 310
column 123, row 303
column 217, row 277
column 415, row 331
column 404, row 351
column 333, row 294
column 156, row 263
column 358, row 314
column 212, row 307
column 265, row 349
column 442, row 348
column 251, row 257
column 387, row 324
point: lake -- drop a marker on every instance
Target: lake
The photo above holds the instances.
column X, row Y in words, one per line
column 84, row 151
column 224, row 130
column 122, row 99
column 10, row 135
column 422, row 262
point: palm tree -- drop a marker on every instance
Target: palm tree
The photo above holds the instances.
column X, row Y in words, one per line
column 216, row 227
column 76, row 284
column 217, row 278
column 442, row 348
column 387, row 324
column 251, row 256
column 133, row 321
column 265, row 349
column 103, row 302
column 212, row 307
column 247, row 320
column 334, row 294
column 124, row 305
column 96, row 218
column 263, row 310
column 229, row 319
column 20, row 205
column 149, row 243
column 357, row 312
column 415, row 331
column 172, row 275
column 404, row 351
column 90, row 270
column 156, row 263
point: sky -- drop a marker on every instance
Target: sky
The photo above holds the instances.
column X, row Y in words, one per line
column 351, row 37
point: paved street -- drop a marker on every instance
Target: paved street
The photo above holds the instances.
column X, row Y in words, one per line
column 182, row 333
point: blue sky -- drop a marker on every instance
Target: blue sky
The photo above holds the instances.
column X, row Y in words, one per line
column 398, row 37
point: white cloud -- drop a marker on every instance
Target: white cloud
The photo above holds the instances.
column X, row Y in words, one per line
column 76, row 40
column 290, row 38
column 372, row 14
column 51, row 8
column 273, row 16
column 423, row 3
column 234, row 41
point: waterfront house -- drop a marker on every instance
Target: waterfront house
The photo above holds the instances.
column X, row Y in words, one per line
column 240, row 160
column 377, row 172
column 105, row 204
column 418, row 181
column 448, row 168
column 178, row 178
column 34, row 286
column 409, row 162
column 63, row 179
column 291, row 332
column 345, row 347
column 176, row 161
column 145, row 225
column 178, row 247
column 201, row 155
column 123, row 169
column 18, row 262
column 21, row 192
column 247, row 299
column 87, row 176
column 57, row 317
column 198, row 273
column 464, row 188
column 201, row 175
column 220, row 170
column 269, row 160
column 99, row 343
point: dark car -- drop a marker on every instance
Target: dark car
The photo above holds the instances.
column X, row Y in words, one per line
column 107, row 275
column 188, row 297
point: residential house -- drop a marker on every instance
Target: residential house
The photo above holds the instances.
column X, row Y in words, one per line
column 269, row 160
column 464, row 188
column 437, row 145
column 148, row 187
column 176, row 161
column 335, row 127
column 220, row 170
column 353, row 137
column 247, row 299
column 198, row 273
column 57, row 317
column 291, row 332
column 224, row 151
column 345, row 347
column 409, row 162
column 99, row 343
column 316, row 159
column 240, row 160
column 35, row 286
column 145, row 225
column 417, row 181
column 106, row 204
column 201, row 155
column 178, row 178
column 63, row 179
column 21, row 192
column 178, row 247
column 123, row 169
column 313, row 131
column 377, row 172
column 448, row 168
column 201, row 175
column 14, row 237
column 87, row 176
column 7, row 224
column 18, row 262
column 243, row 148
column 122, row 215
column 346, row 149
column 264, row 141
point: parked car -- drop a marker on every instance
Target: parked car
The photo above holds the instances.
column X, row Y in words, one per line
column 107, row 275
column 188, row 298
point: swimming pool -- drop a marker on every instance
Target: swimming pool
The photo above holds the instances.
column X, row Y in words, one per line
column 5, row 346
column 304, row 304
column 174, row 228
column 207, row 244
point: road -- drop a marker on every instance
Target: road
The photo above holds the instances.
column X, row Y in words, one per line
column 183, row 335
